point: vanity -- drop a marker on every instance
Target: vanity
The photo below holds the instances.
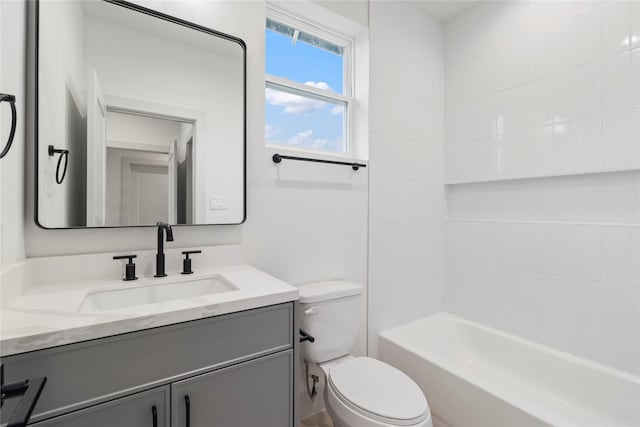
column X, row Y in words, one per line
column 217, row 359
column 139, row 120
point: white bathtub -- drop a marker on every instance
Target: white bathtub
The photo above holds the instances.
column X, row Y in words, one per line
column 477, row 376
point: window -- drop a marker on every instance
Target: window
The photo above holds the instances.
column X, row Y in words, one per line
column 308, row 86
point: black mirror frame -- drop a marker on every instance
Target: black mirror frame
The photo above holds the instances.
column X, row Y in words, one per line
column 168, row 18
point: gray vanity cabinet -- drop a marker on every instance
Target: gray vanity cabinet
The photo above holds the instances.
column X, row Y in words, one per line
column 237, row 370
column 255, row 393
column 146, row 409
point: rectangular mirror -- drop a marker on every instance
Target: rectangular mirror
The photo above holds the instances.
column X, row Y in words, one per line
column 140, row 118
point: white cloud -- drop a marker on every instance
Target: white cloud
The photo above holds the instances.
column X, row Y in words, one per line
column 270, row 131
column 305, row 139
column 292, row 104
column 319, row 85
column 295, row 104
column 301, row 138
column 337, row 109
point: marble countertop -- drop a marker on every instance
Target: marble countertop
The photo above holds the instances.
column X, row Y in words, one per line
column 49, row 316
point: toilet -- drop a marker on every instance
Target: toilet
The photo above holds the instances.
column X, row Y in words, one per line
column 359, row 391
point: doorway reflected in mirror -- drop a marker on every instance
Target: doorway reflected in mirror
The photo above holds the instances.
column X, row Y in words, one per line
column 149, row 169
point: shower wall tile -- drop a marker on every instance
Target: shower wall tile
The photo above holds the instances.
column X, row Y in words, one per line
column 570, row 286
column 547, row 88
column 616, row 82
column 621, row 257
column 542, row 156
column 592, row 198
column 618, row 139
column 577, row 33
column 614, row 31
column 635, row 75
column 554, row 259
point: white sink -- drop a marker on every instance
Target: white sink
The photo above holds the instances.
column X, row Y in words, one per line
column 152, row 293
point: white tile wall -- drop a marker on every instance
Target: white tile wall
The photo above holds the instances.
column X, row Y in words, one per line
column 406, row 191
column 574, row 287
column 536, row 242
column 542, row 88
column 594, row 198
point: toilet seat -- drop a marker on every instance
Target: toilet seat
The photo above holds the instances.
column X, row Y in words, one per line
column 378, row 391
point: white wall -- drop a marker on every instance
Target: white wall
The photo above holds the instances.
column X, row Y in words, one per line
column 356, row 11
column 407, row 192
column 546, row 89
column 123, row 127
column 306, row 222
column 12, row 80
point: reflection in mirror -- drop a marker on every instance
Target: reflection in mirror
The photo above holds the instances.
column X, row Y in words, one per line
column 151, row 112
column 146, row 155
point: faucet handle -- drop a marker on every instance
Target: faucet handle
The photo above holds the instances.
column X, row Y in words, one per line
column 186, row 263
column 130, row 268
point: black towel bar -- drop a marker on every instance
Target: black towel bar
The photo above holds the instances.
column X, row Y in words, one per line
column 277, row 158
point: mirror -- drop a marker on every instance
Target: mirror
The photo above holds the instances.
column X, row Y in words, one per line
column 140, row 118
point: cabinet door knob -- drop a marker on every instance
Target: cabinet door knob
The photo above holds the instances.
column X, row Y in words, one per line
column 187, row 404
column 154, row 412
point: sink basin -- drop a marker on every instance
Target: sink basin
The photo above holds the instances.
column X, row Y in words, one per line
column 152, row 293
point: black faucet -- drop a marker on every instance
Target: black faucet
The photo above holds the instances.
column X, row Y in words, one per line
column 162, row 226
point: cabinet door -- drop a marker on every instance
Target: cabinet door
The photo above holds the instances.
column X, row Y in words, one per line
column 147, row 409
column 251, row 394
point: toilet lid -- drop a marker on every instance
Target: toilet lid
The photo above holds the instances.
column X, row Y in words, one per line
column 379, row 389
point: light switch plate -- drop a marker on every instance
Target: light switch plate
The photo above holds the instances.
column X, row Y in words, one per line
column 218, row 203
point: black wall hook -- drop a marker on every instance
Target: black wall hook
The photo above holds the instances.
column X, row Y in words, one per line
column 5, row 97
column 63, row 153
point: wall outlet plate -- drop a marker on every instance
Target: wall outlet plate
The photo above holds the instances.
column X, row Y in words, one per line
column 218, row 203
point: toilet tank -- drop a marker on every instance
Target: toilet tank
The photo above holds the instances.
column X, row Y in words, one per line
column 331, row 313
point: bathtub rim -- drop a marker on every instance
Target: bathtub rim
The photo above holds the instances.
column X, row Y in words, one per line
column 530, row 407
column 620, row 374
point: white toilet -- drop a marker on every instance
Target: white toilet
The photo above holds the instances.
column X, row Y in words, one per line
column 360, row 391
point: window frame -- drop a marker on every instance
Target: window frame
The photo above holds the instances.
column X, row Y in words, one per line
column 345, row 98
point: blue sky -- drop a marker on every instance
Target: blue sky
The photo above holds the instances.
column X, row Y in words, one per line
column 298, row 121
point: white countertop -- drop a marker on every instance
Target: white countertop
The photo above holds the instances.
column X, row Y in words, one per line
column 47, row 316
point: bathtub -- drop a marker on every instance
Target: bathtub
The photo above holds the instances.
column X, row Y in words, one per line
column 475, row 376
